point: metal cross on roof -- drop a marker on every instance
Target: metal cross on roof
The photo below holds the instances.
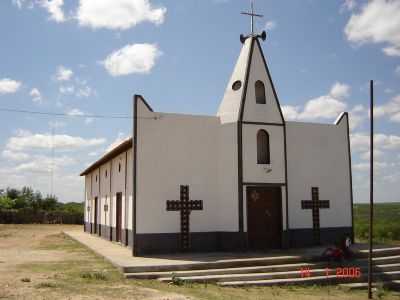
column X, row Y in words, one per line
column 252, row 15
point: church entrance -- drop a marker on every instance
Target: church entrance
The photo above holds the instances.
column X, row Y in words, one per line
column 264, row 217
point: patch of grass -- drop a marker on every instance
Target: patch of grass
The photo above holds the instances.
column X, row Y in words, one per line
column 59, row 242
column 46, row 285
column 94, row 275
column 176, row 280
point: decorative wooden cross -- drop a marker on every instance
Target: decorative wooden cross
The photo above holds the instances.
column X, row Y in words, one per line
column 185, row 206
column 252, row 15
column 315, row 204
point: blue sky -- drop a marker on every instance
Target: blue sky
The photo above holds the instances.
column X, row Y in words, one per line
column 87, row 57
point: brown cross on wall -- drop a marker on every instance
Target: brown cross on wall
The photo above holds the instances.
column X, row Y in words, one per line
column 185, row 206
column 315, row 204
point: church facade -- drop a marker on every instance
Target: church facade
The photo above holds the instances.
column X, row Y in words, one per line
column 245, row 179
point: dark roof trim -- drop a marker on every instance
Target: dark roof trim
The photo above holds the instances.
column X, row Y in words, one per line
column 109, row 155
column 270, row 80
column 144, row 102
column 246, row 80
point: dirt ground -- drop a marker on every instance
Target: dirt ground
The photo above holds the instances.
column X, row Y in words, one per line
column 39, row 262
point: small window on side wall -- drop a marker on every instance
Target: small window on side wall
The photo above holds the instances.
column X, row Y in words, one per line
column 119, row 167
column 263, row 151
column 260, row 92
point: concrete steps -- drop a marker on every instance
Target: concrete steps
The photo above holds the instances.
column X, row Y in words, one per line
column 272, row 275
column 221, row 264
column 394, row 285
column 275, row 270
column 331, row 279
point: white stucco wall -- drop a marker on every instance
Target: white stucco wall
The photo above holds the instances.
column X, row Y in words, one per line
column 253, row 172
column 227, row 212
column 318, row 157
column 176, row 150
column 88, row 196
column 129, row 186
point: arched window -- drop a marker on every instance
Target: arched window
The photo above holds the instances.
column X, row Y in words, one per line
column 263, row 155
column 260, row 92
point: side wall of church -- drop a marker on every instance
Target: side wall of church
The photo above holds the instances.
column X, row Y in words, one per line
column 112, row 177
column 318, row 156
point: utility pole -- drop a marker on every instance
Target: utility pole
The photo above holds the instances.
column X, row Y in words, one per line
column 371, row 196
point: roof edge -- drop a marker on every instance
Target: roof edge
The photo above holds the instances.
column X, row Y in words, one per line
column 124, row 146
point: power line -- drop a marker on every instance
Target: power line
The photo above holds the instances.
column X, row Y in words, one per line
column 11, row 110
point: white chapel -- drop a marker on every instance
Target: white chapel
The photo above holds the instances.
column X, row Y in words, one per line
column 244, row 179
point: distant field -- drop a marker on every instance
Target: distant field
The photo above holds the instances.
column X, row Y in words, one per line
column 386, row 222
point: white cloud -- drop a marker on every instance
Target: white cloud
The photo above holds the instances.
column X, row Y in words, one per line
column 9, row 86
column 136, row 58
column 395, row 117
column 36, row 95
column 360, row 142
column 64, row 74
column 121, row 138
column 21, row 3
column 67, row 90
column 84, row 92
column 391, row 109
column 290, row 112
column 357, row 115
column 15, row 156
column 340, row 90
column 377, row 22
column 89, row 121
column 377, row 154
column 323, row 107
column 45, row 164
column 366, row 166
column 25, row 140
column 75, row 112
column 270, row 25
column 54, row 8
column 118, row 14
column 348, row 5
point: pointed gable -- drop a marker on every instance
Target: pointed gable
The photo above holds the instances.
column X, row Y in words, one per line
column 256, row 100
column 259, row 78
column 230, row 105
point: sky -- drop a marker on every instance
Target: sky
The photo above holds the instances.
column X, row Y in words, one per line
column 83, row 58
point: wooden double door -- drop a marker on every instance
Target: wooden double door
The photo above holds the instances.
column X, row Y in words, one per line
column 264, row 217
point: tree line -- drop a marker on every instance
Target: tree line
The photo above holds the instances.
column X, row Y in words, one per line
column 28, row 206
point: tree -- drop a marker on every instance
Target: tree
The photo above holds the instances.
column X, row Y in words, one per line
column 49, row 203
column 20, row 202
column 12, row 193
column 6, row 203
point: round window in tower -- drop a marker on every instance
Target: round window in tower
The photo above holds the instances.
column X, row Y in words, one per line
column 236, row 85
